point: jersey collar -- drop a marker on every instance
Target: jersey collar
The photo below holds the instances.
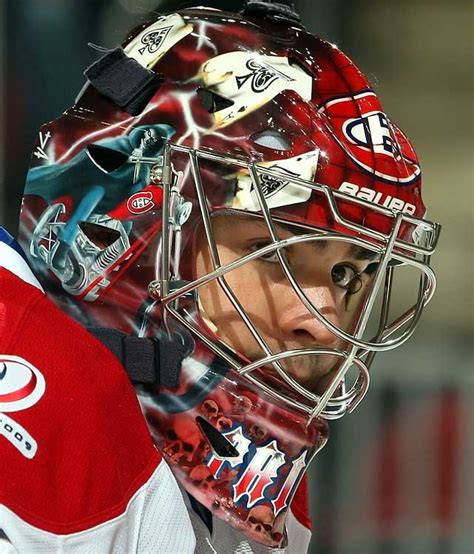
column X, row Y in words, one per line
column 13, row 259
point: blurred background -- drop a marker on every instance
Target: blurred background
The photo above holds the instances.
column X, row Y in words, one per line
column 396, row 476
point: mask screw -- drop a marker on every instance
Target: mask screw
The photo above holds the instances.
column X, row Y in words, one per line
column 156, row 174
column 154, row 289
column 183, row 212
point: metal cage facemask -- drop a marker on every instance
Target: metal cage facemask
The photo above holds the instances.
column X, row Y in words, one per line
column 404, row 241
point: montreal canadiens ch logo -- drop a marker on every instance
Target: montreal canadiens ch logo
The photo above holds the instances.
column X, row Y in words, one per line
column 372, row 142
column 140, row 203
column 21, row 386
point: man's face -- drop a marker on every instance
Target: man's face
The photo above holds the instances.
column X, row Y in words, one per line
column 334, row 276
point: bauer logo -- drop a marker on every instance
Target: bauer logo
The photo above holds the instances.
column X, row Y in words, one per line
column 372, row 142
column 377, row 197
column 140, row 203
column 21, row 386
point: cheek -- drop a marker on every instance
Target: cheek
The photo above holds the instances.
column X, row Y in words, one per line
column 245, row 283
column 353, row 310
column 213, row 298
column 223, row 318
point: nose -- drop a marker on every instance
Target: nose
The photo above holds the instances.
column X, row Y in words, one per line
column 300, row 325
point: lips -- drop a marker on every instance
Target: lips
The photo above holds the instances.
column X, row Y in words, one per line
column 313, row 372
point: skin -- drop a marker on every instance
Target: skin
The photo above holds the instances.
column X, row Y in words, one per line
column 334, row 275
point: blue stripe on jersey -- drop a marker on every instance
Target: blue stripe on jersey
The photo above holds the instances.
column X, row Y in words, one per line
column 6, row 238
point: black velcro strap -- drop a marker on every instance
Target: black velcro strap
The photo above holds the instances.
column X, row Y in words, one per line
column 145, row 360
column 140, row 359
column 123, row 80
column 281, row 9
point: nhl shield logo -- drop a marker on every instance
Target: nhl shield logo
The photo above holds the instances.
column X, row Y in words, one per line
column 373, row 143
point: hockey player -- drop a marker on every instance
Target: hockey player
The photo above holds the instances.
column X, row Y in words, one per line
column 252, row 291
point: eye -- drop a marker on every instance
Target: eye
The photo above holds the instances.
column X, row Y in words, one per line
column 172, row 435
column 346, row 277
column 271, row 257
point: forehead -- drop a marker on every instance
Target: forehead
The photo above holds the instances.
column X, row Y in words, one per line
column 231, row 228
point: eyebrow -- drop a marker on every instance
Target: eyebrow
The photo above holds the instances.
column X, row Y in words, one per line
column 357, row 252
column 360, row 253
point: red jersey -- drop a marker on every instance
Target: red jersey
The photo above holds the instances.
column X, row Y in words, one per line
column 78, row 468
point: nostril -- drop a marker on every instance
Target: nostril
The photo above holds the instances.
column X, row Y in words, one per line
column 302, row 334
column 317, row 334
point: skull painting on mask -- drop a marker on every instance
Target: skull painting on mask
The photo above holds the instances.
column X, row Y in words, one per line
column 260, row 519
column 184, row 442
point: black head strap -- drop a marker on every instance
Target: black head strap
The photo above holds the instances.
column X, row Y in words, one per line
column 279, row 10
column 123, row 80
column 147, row 361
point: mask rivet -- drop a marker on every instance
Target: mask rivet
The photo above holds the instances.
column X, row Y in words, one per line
column 156, row 174
column 154, row 289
